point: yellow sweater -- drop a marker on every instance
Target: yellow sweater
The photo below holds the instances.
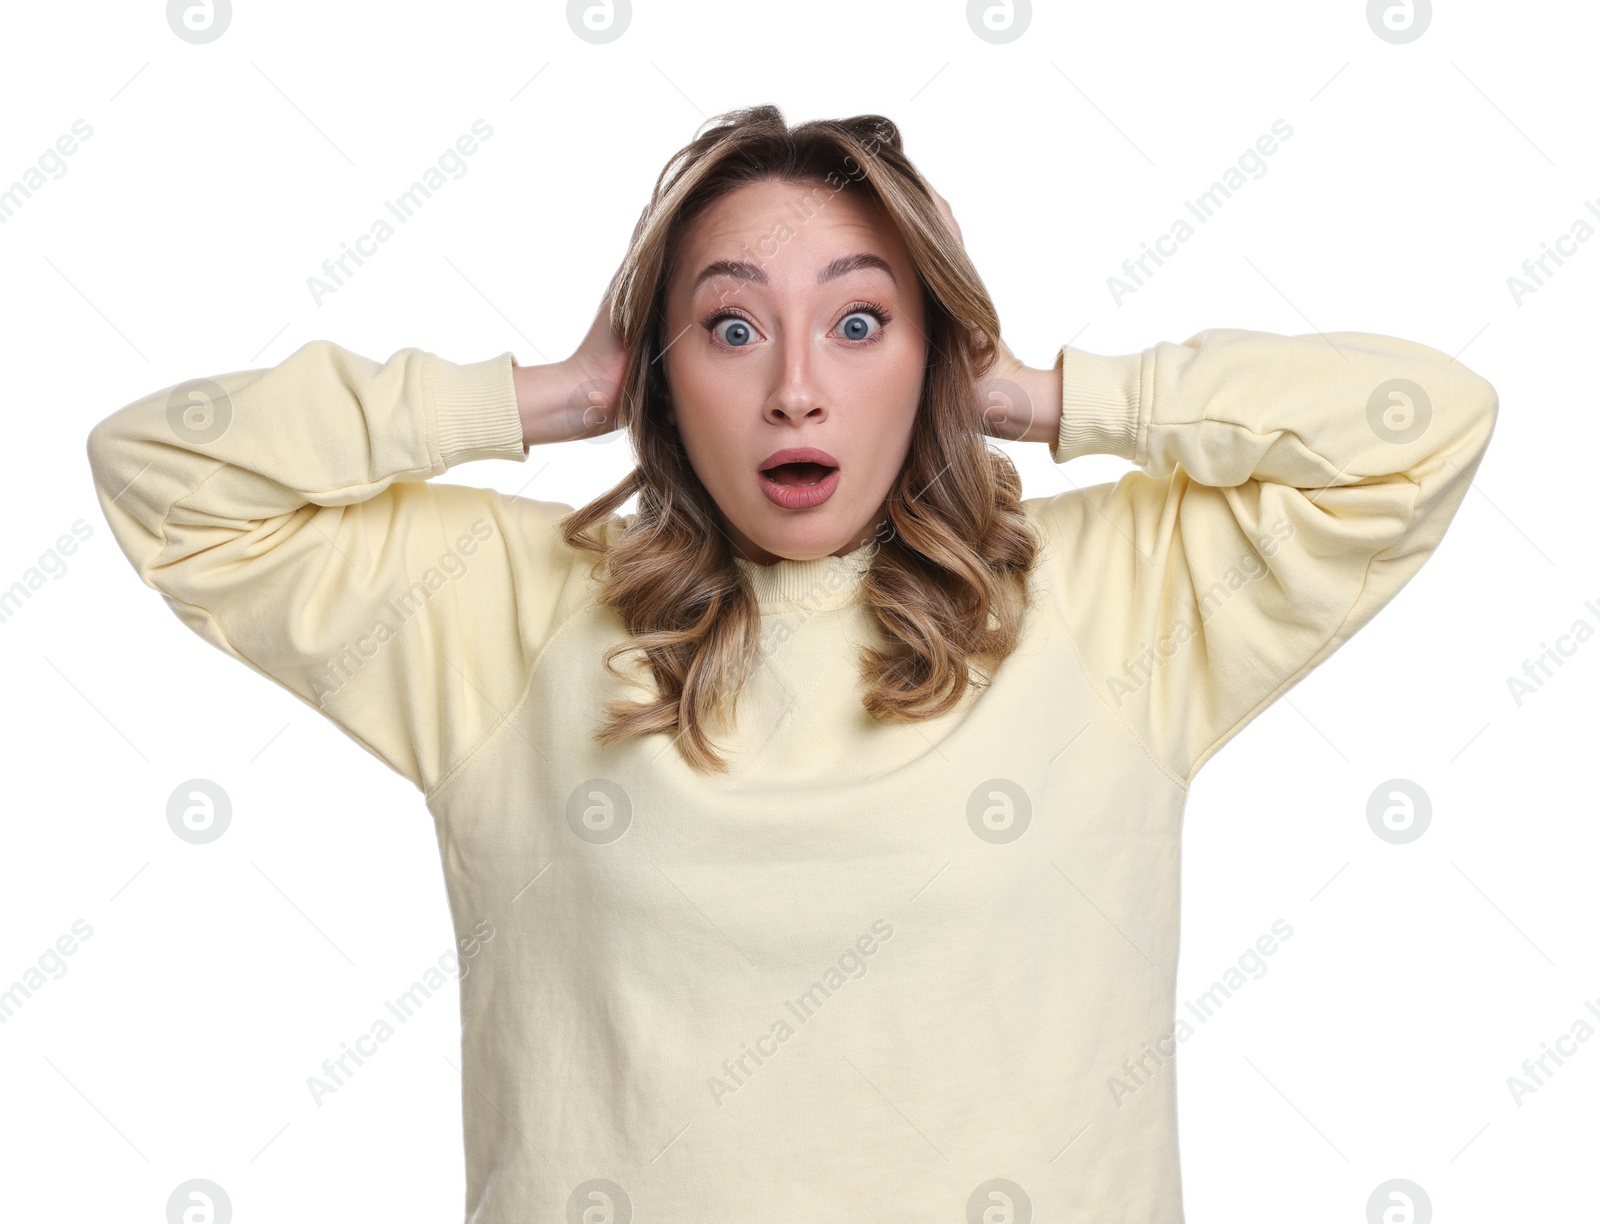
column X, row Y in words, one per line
column 877, row 972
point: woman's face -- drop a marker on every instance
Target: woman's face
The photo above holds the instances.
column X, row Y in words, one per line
column 786, row 333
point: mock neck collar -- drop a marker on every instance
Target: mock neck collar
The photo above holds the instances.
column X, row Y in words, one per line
column 819, row 584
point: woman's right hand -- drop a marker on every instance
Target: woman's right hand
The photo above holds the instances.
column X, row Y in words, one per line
column 577, row 397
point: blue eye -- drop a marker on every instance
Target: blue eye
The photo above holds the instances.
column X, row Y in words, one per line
column 854, row 327
column 738, row 334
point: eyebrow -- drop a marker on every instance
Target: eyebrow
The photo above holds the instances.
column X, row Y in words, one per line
column 744, row 270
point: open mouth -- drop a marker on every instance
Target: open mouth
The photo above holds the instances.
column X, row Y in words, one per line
column 798, row 475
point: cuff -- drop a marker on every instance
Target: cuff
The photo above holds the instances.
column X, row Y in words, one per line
column 475, row 410
column 1099, row 404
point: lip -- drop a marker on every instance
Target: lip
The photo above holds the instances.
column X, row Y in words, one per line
column 804, row 497
column 797, row 454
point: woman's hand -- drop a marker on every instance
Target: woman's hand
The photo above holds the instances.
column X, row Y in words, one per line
column 1020, row 404
column 597, row 366
column 577, row 397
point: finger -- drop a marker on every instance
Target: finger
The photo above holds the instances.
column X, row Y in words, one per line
column 948, row 214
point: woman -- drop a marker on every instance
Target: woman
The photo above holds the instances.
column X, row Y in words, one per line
column 826, row 809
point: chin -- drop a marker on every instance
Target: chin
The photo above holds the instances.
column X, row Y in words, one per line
column 797, row 546
column 802, row 535
column 804, row 540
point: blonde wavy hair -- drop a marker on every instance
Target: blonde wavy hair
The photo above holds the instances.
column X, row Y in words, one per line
column 947, row 582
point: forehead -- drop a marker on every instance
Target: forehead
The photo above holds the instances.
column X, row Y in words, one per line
column 791, row 231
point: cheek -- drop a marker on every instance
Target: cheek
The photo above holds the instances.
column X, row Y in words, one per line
column 895, row 395
column 707, row 425
column 697, row 387
column 882, row 443
column 899, row 380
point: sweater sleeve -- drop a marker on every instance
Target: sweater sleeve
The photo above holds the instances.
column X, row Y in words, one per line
column 1287, row 488
column 285, row 516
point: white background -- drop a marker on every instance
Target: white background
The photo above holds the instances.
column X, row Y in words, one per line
column 179, row 241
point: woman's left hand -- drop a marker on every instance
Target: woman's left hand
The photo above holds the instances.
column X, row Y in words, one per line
column 1008, row 389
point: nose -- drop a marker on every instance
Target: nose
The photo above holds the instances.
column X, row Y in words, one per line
column 796, row 397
